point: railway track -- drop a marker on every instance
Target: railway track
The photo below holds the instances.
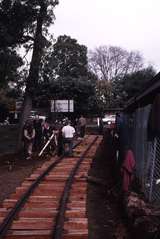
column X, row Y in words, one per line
column 51, row 203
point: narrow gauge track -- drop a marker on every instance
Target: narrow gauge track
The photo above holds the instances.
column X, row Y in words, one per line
column 51, row 202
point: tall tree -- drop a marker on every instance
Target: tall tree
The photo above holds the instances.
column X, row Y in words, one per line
column 131, row 84
column 66, row 58
column 110, row 62
column 10, row 62
column 65, row 71
column 10, row 74
column 103, row 94
column 27, row 21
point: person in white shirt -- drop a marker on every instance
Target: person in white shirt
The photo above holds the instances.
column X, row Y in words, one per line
column 68, row 133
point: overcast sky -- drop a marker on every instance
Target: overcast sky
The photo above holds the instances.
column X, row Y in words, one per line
column 130, row 24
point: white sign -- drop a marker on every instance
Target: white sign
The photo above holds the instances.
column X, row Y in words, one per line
column 62, row 106
column 19, row 105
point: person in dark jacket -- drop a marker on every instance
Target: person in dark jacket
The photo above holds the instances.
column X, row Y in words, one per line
column 60, row 141
column 28, row 136
column 38, row 134
column 82, row 125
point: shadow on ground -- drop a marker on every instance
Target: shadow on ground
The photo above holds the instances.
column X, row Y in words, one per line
column 105, row 214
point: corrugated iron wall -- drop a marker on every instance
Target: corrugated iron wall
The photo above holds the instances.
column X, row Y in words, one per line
column 147, row 154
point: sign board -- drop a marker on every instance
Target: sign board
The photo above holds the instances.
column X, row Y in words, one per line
column 19, row 105
column 62, row 106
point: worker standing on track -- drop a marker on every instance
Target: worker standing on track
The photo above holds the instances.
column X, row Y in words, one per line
column 60, row 141
column 38, row 133
column 46, row 131
column 49, row 130
column 82, row 125
column 68, row 133
column 29, row 136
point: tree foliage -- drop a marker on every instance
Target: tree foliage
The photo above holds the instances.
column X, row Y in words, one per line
column 26, row 22
column 103, row 94
column 110, row 62
column 6, row 103
column 66, row 76
column 18, row 20
column 10, row 62
column 66, row 58
column 130, row 85
column 121, row 74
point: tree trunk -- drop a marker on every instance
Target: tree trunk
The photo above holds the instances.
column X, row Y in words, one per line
column 33, row 76
column 27, row 107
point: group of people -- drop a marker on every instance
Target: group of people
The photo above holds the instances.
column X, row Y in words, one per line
column 36, row 134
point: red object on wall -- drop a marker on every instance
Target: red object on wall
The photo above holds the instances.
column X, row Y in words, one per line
column 127, row 170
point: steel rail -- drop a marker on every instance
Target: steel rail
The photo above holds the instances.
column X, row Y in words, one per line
column 58, row 228
column 4, row 226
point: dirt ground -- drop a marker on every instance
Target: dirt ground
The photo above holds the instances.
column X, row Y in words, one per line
column 105, row 212
column 13, row 171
